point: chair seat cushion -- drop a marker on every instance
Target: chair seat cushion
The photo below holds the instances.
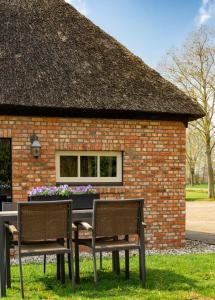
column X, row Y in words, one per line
column 41, row 248
column 110, row 245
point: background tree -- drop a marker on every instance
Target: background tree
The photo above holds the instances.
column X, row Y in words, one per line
column 194, row 152
column 192, row 68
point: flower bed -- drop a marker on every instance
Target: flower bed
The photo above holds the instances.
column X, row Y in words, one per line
column 82, row 196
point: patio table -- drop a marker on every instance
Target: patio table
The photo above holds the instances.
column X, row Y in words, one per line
column 11, row 216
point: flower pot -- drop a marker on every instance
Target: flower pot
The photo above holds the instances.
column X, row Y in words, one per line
column 80, row 201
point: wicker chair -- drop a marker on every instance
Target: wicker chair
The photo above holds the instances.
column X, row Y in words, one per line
column 11, row 230
column 41, row 228
column 119, row 219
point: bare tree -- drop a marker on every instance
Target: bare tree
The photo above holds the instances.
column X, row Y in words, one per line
column 192, row 68
column 194, row 151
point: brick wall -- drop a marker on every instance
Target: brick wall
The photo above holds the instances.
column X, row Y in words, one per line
column 153, row 164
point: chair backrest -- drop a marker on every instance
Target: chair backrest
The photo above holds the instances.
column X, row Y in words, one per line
column 117, row 217
column 45, row 220
column 9, row 206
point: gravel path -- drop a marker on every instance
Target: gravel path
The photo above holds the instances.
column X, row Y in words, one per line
column 192, row 247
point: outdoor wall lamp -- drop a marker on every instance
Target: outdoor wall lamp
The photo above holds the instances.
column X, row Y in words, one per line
column 35, row 146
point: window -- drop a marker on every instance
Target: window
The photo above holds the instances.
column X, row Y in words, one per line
column 89, row 166
column 5, row 167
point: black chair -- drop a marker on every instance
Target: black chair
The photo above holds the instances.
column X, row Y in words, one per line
column 11, row 243
column 41, row 228
column 116, row 218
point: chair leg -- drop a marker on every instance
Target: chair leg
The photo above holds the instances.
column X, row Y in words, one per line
column 69, row 261
column 21, row 276
column 69, row 266
column 127, row 264
column 142, row 266
column 62, row 268
column 100, row 260
column 44, row 264
column 94, row 269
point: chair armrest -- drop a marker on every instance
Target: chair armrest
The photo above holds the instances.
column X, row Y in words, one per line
column 74, row 227
column 11, row 228
column 144, row 224
column 86, row 226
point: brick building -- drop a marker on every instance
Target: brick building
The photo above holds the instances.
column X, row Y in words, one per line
column 100, row 114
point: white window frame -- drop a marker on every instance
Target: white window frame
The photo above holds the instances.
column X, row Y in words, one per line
column 98, row 154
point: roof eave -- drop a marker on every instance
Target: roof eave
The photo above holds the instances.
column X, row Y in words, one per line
column 19, row 110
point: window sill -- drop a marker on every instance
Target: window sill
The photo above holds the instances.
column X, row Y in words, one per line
column 96, row 184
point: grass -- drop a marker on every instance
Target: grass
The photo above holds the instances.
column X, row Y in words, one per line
column 168, row 277
column 196, row 196
column 197, row 186
column 197, row 192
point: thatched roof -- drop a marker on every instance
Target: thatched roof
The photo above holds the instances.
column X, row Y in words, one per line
column 53, row 57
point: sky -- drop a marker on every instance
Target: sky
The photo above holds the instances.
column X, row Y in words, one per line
column 148, row 28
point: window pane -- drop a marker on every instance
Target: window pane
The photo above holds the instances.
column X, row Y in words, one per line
column 68, row 166
column 5, row 166
column 88, row 166
column 108, row 166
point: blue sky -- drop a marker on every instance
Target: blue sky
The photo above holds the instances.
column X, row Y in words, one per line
column 149, row 27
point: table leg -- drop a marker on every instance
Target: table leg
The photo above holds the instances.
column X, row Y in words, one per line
column 115, row 258
column 58, row 267
column 77, row 272
column 117, row 263
column 7, row 257
column 113, row 262
column 2, row 261
column 100, row 259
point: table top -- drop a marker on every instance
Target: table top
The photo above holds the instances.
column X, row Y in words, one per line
column 74, row 211
column 8, row 213
column 77, row 214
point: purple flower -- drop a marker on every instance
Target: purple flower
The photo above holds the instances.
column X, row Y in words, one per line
column 63, row 190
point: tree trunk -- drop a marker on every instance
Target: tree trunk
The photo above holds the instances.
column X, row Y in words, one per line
column 192, row 177
column 204, row 176
column 210, row 173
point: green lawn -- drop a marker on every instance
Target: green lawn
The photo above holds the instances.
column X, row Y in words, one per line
column 197, row 193
column 168, row 277
column 196, row 196
column 198, row 186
